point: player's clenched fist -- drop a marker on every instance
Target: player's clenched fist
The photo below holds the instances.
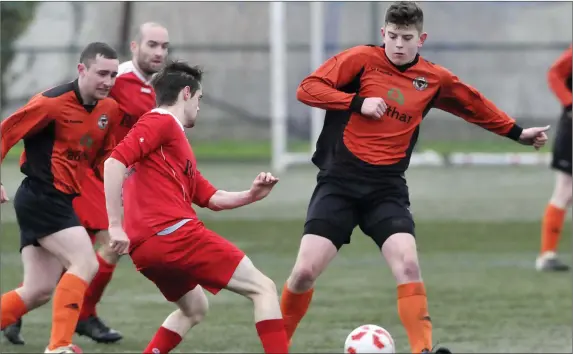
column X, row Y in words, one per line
column 119, row 242
column 3, row 195
column 373, row 107
column 262, row 185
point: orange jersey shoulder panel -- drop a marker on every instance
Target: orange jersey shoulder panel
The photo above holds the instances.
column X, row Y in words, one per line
column 559, row 77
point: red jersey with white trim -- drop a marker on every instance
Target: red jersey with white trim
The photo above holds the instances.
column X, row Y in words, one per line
column 163, row 181
column 134, row 95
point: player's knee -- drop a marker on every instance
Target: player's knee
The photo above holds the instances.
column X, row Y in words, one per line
column 199, row 313
column 197, row 316
column 562, row 193
column 303, row 277
column 402, row 257
column 264, row 287
column 86, row 267
column 267, row 286
column 315, row 254
column 37, row 295
column 410, row 270
column 44, row 295
column 108, row 255
column 196, row 309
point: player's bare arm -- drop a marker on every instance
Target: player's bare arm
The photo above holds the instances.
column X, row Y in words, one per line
column 114, row 172
column 261, row 187
column 325, row 88
column 468, row 103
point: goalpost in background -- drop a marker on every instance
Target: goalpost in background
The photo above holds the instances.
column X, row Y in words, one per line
column 282, row 158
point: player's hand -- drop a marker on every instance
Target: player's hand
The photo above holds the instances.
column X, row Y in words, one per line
column 3, row 195
column 535, row 136
column 262, row 185
column 119, row 242
column 373, row 107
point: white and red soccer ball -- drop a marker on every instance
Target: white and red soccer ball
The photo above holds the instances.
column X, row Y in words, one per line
column 369, row 339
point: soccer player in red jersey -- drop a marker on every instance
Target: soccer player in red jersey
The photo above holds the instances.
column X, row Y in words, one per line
column 559, row 78
column 375, row 98
column 67, row 130
column 167, row 242
column 135, row 96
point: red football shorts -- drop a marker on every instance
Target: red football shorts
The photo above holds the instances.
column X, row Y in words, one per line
column 193, row 255
column 90, row 205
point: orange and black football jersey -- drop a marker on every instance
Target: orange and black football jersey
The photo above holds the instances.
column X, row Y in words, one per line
column 62, row 136
column 559, row 77
column 359, row 146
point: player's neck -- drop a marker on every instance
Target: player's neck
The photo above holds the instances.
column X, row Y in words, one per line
column 147, row 77
column 86, row 99
column 177, row 110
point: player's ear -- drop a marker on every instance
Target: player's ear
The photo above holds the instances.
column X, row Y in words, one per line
column 382, row 32
column 423, row 38
column 133, row 46
column 82, row 69
column 187, row 93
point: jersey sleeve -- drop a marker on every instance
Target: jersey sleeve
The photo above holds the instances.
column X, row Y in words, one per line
column 25, row 122
column 558, row 75
column 466, row 102
column 322, row 88
column 204, row 190
column 109, row 142
column 146, row 136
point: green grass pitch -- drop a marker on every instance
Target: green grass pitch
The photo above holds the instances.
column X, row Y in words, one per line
column 484, row 294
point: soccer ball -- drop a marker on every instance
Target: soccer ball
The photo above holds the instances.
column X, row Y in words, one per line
column 369, row 339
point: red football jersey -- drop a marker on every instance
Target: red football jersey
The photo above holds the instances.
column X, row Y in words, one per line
column 163, row 180
column 134, row 95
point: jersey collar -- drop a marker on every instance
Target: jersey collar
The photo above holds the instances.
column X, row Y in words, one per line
column 164, row 111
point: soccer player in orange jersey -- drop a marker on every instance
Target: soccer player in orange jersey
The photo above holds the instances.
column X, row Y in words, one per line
column 375, row 98
column 559, row 78
column 135, row 95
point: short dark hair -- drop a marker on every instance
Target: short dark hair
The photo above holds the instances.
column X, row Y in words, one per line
column 170, row 80
column 405, row 13
column 92, row 50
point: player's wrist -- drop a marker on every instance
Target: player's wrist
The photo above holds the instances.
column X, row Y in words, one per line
column 515, row 132
column 356, row 103
column 251, row 196
column 113, row 223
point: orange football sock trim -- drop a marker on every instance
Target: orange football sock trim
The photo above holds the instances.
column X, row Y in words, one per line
column 413, row 311
column 551, row 228
column 293, row 308
column 68, row 299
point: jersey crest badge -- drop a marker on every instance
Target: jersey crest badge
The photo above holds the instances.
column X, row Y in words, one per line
column 420, row 83
column 102, row 122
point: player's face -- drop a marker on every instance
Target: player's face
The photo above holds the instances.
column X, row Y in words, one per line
column 151, row 52
column 192, row 107
column 402, row 43
column 99, row 76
